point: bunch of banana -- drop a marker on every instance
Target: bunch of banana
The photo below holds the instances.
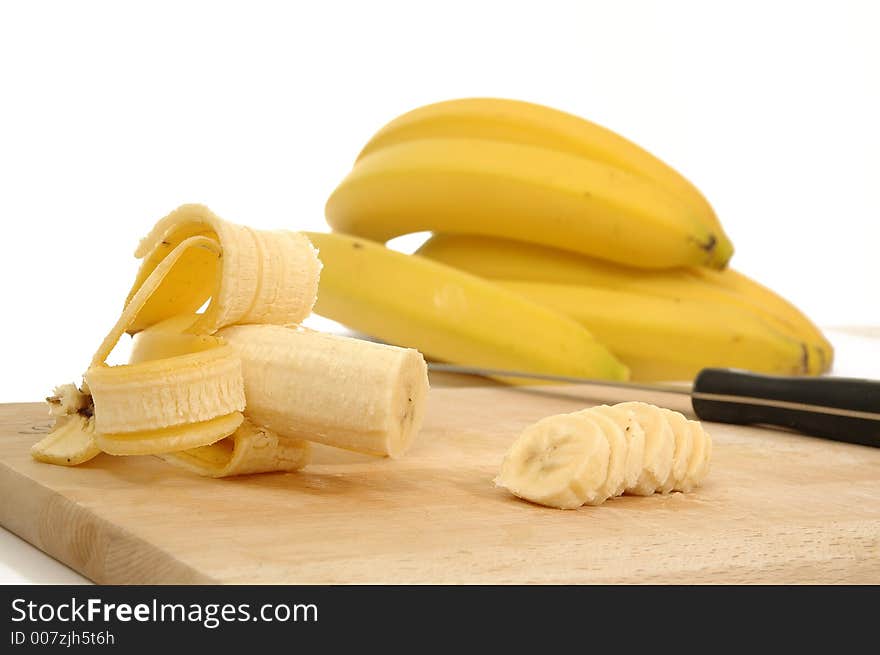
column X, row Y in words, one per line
column 237, row 388
column 587, row 457
column 569, row 217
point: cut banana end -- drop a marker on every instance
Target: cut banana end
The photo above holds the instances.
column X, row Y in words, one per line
column 560, row 461
column 659, row 448
column 339, row 391
column 171, row 439
column 250, row 449
column 71, row 442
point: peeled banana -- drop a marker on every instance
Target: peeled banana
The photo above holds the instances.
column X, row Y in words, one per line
column 184, row 390
column 568, row 460
column 450, row 315
column 522, row 192
column 338, row 391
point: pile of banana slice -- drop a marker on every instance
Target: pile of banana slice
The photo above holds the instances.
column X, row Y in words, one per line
column 587, row 457
column 237, row 388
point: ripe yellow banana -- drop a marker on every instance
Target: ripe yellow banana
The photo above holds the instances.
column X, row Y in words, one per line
column 495, row 258
column 450, row 315
column 671, row 339
column 522, row 192
column 568, row 460
column 514, row 121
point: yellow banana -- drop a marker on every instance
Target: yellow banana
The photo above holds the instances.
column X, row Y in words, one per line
column 762, row 297
column 495, row 258
column 526, row 193
column 450, row 315
column 665, row 339
column 515, row 121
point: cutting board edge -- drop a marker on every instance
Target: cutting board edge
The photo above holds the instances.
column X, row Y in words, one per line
column 53, row 509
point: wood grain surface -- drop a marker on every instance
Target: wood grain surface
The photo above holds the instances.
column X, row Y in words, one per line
column 777, row 507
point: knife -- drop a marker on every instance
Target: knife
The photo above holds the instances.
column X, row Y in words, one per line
column 842, row 409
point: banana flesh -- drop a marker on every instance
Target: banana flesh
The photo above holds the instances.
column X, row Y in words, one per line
column 450, row 315
column 560, row 461
column 373, row 404
column 635, row 443
column 615, row 479
column 569, row 460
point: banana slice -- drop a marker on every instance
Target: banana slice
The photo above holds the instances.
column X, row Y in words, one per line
column 560, row 461
column 704, row 467
column 635, row 443
column 617, row 442
column 250, row 449
column 681, row 432
column 659, row 447
column 696, row 461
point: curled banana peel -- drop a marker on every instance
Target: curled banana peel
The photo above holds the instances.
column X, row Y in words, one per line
column 586, row 457
column 188, row 396
column 250, row 449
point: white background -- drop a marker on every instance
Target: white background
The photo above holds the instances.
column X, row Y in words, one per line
column 112, row 114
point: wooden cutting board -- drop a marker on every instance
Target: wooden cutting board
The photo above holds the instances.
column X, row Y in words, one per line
column 777, row 507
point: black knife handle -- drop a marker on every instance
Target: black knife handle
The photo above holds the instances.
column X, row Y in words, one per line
column 811, row 401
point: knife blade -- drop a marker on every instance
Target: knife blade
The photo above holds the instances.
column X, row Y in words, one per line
column 841, row 409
